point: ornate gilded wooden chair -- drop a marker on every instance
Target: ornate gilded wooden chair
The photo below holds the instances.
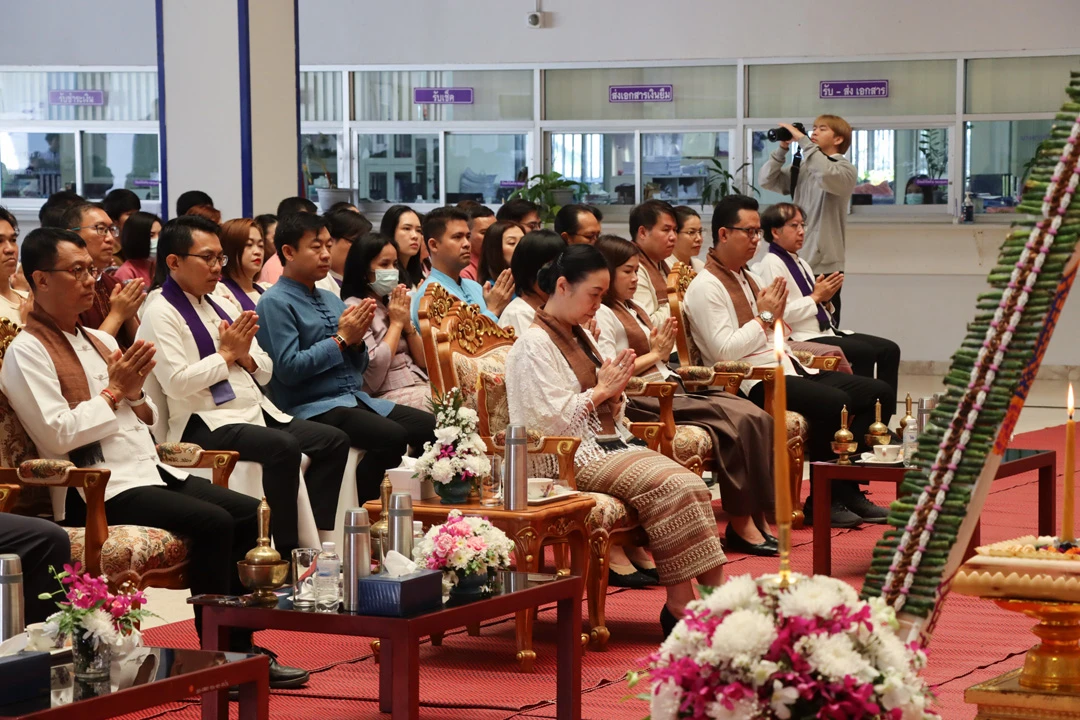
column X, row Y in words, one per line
column 132, row 555
column 434, row 305
column 730, row 374
column 9, row 494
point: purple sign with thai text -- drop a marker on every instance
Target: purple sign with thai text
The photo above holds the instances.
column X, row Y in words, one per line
column 640, row 93
column 931, row 182
column 442, row 96
column 77, row 97
column 853, row 89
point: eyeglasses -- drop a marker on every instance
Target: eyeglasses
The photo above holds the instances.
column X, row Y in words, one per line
column 79, row 272
column 209, row 258
column 101, row 230
column 797, row 226
column 752, row 232
column 591, row 238
column 693, row 233
column 534, row 225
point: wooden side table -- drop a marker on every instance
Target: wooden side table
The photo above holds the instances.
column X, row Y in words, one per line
column 530, row 529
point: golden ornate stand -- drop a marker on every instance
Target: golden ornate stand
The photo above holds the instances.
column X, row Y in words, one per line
column 1004, row 699
column 1054, row 664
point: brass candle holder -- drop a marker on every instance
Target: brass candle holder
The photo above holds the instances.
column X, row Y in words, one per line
column 262, row 570
column 878, row 433
column 380, row 529
column 843, row 443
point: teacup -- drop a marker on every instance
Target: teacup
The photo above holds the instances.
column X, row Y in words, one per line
column 887, row 453
column 540, row 488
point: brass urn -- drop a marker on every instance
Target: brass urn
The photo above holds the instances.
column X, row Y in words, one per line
column 262, row 570
column 843, row 443
column 878, row 433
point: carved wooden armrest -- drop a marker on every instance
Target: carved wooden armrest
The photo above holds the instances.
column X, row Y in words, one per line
column 820, row 362
column 651, row 433
column 738, row 367
column 641, row 388
column 698, row 376
column 9, row 494
column 563, row 448
column 190, row 455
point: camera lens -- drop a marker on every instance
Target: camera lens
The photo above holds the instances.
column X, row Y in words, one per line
column 778, row 134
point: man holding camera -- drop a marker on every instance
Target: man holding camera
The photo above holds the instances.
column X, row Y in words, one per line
column 820, row 180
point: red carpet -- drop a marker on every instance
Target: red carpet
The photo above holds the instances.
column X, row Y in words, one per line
column 476, row 678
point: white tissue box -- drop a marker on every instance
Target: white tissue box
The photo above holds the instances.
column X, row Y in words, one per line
column 403, row 481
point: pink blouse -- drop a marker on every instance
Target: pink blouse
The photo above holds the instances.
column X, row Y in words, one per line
column 132, row 269
column 387, row 371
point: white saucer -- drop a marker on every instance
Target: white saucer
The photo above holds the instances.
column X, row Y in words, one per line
column 869, row 458
column 553, row 498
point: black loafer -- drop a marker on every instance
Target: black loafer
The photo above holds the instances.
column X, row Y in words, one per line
column 282, row 677
column 858, row 503
column 734, row 541
column 839, row 515
column 667, row 621
column 635, row 580
column 651, row 572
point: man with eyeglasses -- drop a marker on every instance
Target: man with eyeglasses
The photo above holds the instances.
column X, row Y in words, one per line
column 652, row 228
column 579, row 224
column 211, row 368
column 116, row 306
column 731, row 314
column 80, row 398
column 521, row 211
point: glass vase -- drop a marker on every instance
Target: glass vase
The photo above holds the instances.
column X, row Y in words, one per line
column 91, row 664
column 470, row 587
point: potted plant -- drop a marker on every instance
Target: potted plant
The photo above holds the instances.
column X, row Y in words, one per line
column 317, row 151
column 752, row 650
column 457, row 457
column 550, row 191
column 96, row 620
column 464, row 549
column 720, row 183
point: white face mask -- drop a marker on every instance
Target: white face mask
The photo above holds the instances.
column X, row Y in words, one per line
column 385, row 281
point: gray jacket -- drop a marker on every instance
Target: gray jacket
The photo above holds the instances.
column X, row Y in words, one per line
column 823, row 191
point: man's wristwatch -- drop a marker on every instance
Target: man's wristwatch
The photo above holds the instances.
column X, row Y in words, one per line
column 767, row 317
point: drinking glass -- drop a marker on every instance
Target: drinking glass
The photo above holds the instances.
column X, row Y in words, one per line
column 303, row 568
column 491, row 484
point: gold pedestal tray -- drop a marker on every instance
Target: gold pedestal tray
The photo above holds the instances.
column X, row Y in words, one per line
column 1053, row 664
column 1003, row 698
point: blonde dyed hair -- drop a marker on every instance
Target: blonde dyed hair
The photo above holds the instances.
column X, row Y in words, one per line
column 838, row 125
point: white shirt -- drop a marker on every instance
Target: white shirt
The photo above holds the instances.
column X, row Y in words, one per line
column 29, row 380
column 711, row 322
column 613, row 339
column 645, row 296
column 519, row 315
column 330, row 282
column 222, row 290
column 186, row 379
column 10, row 310
column 801, row 311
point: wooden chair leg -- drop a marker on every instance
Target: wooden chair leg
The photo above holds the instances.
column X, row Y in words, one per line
column 596, row 583
column 795, row 464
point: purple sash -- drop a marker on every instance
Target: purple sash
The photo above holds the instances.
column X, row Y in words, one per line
column 241, row 296
column 804, row 281
column 222, row 392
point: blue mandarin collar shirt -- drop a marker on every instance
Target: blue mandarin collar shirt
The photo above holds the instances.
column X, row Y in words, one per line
column 311, row 373
column 468, row 291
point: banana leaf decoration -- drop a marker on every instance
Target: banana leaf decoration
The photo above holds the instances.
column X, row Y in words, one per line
column 962, row 444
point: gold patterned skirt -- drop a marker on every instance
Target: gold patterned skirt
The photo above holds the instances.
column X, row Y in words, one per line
column 672, row 504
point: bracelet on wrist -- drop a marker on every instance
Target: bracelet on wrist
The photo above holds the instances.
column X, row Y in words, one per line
column 110, row 398
column 141, row 400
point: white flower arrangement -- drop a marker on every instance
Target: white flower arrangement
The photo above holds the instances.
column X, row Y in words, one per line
column 458, row 453
column 463, row 545
column 750, row 650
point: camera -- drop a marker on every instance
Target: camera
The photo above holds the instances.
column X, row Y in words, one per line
column 781, row 134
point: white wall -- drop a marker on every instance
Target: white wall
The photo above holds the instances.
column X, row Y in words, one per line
column 78, row 32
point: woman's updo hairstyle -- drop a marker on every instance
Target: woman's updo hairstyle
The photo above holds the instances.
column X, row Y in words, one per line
column 574, row 263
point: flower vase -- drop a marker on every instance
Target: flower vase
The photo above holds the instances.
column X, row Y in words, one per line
column 91, row 664
column 469, row 587
column 455, row 492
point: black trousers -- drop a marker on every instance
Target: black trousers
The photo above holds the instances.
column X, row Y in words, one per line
column 820, row 398
column 384, row 439
column 38, row 543
column 277, row 447
column 865, row 352
column 221, row 524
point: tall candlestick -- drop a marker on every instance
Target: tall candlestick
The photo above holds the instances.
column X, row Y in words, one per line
column 1067, row 534
column 779, row 413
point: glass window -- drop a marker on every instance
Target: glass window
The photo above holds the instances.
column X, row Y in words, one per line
column 806, row 90
column 320, row 96
column 1018, row 85
column 35, row 165
column 121, row 160
column 56, row 95
column 695, row 92
column 485, row 168
column 675, row 166
column 480, row 95
column 319, row 153
column 997, row 157
column 761, row 149
column 398, row 168
column 603, row 162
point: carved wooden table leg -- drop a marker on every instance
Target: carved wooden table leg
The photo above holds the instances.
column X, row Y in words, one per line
column 436, row 639
column 527, row 559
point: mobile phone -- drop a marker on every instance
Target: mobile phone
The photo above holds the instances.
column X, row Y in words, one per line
column 226, row 600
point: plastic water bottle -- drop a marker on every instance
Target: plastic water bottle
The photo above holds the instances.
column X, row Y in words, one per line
column 969, row 208
column 328, row 580
column 911, row 442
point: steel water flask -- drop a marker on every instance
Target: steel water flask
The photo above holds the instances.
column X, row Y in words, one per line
column 515, row 472
column 401, row 524
column 12, row 620
column 355, row 556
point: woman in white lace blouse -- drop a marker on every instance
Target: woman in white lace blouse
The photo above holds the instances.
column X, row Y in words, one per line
column 557, row 385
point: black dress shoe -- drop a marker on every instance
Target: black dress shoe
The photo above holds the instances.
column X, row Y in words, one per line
column 651, row 572
column 282, row 677
column 857, row 502
column 839, row 515
column 734, row 541
column 635, row 580
column 667, row 621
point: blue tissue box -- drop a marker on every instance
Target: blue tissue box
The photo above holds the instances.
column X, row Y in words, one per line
column 25, row 677
column 404, row 596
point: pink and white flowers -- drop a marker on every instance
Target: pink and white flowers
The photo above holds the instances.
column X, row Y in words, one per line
column 463, row 545
column 90, row 609
column 458, row 453
column 750, row 650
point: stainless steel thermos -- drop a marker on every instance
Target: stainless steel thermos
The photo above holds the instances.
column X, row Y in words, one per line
column 12, row 619
column 516, row 474
column 400, row 529
column 355, row 556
